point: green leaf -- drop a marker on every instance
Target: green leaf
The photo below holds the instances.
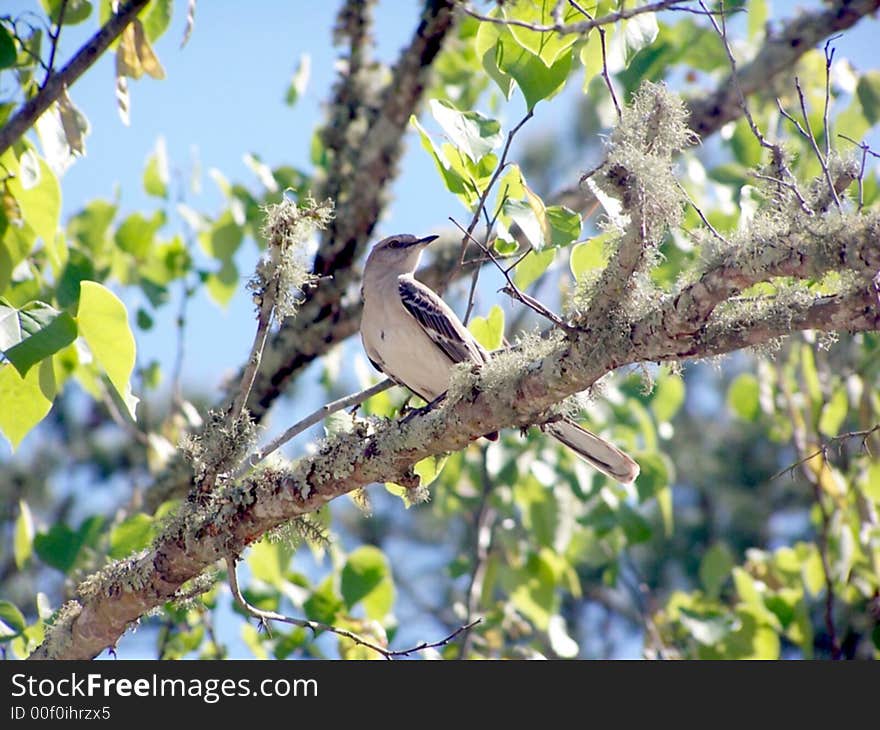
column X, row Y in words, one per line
column 429, row 468
column 636, row 528
column 564, row 223
column 224, row 237
column 639, row 32
column 299, row 81
column 746, row 148
column 324, row 605
column 8, row 53
column 268, row 561
column 366, row 576
column 756, row 17
column 453, row 180
column 742, row 397
column 470, row 131
column 223, row 283
column 529, row 270
column 868, row 92
column 75, row 11
column 533, row 590
column 707, row 628
column 529, row 218
column 871, row 488
column 535, row 80
column 156, row 18
column 834, row 413
column 26, row 401
column 130, row 535
column 23, row 539
column 12, row 621
column 489, row 330
column 156, row 174
column 90, row 225
column 488, row 49
column 103, row 324
column 668, row 397
column 588, row 256
column 40, row 204
column 546, row 46
column 715, row 568
column 136, row 233
column 503, row 58
column 60, row 546
column 33, row 333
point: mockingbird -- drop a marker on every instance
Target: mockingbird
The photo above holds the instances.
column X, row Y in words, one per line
column 411, row 335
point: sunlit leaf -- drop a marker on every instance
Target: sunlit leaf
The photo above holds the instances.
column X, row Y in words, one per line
column 103, row 324
column 366, row 578
column 530, row 269
column 489, row 330
column 23, row 538
column 134, row 533
column 26, row 401
column 743, row 397
column 470, row 131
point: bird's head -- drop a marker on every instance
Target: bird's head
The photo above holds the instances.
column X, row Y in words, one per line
column 398, row 254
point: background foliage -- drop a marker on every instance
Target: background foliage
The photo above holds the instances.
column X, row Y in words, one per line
column 752, row 531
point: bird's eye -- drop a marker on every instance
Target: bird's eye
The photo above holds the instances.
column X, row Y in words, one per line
column 394, row 243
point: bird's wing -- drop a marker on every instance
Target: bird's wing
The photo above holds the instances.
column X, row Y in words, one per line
column 439, row 322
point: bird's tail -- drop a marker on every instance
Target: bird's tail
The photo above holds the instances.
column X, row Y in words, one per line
column 604, row 456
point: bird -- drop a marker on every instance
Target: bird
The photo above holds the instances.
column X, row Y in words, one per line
column 415, row 338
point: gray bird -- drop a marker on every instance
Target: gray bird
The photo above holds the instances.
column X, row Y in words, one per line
column 411, row 335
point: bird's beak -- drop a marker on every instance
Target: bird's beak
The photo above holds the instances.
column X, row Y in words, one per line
column 426, row 240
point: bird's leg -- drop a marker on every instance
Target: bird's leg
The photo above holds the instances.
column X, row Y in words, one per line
column 404, row 407
column 424, row 409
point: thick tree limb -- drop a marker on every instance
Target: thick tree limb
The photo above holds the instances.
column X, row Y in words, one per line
column 56, row 84
column 517, row 389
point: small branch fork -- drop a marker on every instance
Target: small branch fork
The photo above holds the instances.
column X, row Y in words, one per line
column 56, row 83
column 354, row 399
column 836, row 441
column 587, row 25
column 512, row 290
column 265, row 617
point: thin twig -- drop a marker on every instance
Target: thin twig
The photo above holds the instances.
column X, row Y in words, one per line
column 315, row 417
column 315, row 626
column 577, row 6
column 788, row 186
column 825, row 447
column 481, row 203
column 53, row 37
column 586, row 25
column 812, row 139
column 829, row 58
column 32, row 109
column 700, row 213
column 866, row 150
column 514, row 291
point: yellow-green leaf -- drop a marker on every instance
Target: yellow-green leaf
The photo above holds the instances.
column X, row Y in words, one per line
column 26, row 401
column 489, row 330
column 103, row 324
column 532, row 266
column 23, row 540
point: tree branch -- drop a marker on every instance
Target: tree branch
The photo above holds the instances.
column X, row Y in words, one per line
column 55, row 84
column 512, row 393
column 779, row 53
